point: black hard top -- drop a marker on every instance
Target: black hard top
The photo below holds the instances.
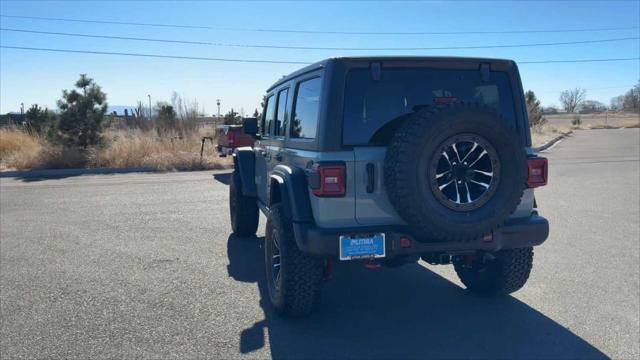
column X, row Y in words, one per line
column 346, row 59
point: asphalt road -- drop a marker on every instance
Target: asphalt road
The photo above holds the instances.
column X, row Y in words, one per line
column 143, row 265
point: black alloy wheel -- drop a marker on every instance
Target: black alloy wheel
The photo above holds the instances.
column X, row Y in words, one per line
column 466, row 174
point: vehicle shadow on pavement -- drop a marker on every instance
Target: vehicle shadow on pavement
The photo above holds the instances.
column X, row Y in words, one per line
column 406, row 312
column 224, row 178
column 39, row 178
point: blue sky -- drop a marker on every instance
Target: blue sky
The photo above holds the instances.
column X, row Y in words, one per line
column 38, row 77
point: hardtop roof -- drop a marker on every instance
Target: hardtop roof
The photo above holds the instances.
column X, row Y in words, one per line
column 323, row 63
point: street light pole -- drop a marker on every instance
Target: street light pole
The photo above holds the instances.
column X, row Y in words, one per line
column 218, row 117
column 149, row 106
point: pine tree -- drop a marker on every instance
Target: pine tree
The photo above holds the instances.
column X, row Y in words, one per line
column 534, row 110
column 232, row 118
column 38, row 118
column 82, row 114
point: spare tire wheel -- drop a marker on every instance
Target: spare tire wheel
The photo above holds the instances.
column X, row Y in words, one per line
column 455, row 173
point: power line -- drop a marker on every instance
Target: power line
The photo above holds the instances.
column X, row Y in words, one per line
column 576, row 61
column 106, row 22
column 153, row 55
column 265, row 61
column 110, row 37
column 315, row 47
column 436, row 32
column 325, row 31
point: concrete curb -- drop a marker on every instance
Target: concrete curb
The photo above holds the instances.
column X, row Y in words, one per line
column 552, row 141
column 53, row 173
column 60, row 173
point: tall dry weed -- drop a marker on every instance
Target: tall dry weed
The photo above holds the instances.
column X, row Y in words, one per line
column 122, row 148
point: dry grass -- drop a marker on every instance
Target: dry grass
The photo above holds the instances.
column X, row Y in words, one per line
column 123, row 148
column 541, row 136
column 136, row 148
column 20, row 150
column 561, row 123
column 610, row 120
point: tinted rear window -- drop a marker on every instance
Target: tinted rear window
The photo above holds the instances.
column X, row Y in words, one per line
column 370, row 104
column 305, row 114
column 269, row 116
column 281, row 120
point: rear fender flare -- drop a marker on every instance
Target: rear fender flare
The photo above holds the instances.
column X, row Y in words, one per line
column 294, row 193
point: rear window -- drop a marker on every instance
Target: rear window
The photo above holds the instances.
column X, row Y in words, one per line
column 269, row 116
column 281, row 120
column 305, row 114
column 369, row 104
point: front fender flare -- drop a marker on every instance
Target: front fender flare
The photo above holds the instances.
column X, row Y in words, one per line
column 244, row 162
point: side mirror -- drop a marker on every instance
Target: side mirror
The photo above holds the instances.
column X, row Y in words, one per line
column 250, row 126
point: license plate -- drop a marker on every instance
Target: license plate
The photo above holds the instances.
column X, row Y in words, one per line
column 362, row 246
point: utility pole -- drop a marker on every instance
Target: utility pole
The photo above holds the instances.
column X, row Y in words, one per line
column 218, row 117
column 149, row 106
column 21, row 108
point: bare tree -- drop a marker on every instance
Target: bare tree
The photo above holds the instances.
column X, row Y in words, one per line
column 617, row 103
column 187, row 113
column 591, row 106
column 571, row 99
column 631, row 100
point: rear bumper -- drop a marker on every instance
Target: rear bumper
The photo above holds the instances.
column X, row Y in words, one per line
column 516, row 233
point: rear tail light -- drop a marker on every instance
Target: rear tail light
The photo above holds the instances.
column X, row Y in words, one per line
column 330, row 180
column 231, row 136
column 538, row 170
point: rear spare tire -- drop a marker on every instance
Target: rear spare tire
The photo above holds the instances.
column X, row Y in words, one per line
column 455, row 173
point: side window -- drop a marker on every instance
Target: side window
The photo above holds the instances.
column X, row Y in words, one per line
column 269, row 116
column 281, row 115
column 305, row 114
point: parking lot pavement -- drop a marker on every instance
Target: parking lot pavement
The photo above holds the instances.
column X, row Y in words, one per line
column 144, row 265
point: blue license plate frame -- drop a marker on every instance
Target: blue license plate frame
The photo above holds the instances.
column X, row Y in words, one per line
column 362, row 246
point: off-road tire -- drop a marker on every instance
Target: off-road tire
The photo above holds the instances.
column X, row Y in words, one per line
column 242, row 209
column 507, row 273
column 408, row 180
column 301, row 275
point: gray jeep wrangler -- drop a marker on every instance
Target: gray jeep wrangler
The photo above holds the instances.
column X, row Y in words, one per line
column 389, row 160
